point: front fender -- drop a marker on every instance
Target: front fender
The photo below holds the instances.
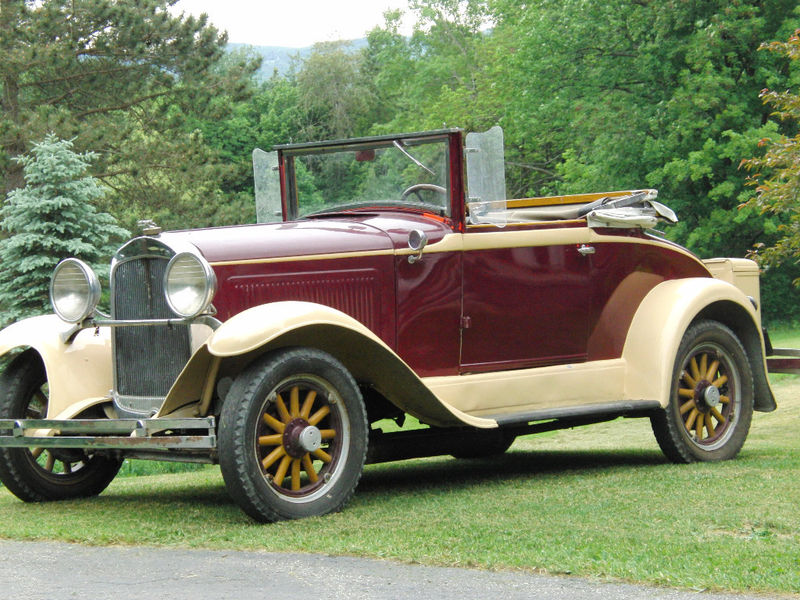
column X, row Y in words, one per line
column 78, row 373
column 661, row 321
column 256, row 327
column 282, row 324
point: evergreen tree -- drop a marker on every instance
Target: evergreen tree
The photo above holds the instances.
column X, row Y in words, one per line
column 49, row 219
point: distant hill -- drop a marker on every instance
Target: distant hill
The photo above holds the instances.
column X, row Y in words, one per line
column 279, row 58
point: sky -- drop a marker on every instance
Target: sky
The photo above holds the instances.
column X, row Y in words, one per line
column 292, row 23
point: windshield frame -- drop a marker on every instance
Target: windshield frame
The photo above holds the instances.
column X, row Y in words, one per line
column 451, row 138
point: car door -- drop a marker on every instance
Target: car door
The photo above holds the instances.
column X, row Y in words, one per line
column 526, row 298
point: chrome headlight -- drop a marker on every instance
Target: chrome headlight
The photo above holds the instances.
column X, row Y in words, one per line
column 74, row 290
column 189, row 284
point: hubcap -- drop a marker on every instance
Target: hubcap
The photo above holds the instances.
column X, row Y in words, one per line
column 300, row 438
column 310, row 438
column 711, row 396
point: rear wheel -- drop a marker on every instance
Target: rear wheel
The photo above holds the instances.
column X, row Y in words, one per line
column 711, row 400
column 38, row 474
column 293, row 436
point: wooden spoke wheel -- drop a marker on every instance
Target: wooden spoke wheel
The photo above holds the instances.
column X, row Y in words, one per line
column 711, row 401
column 297, row 441
column 38, row 474
column 293, row 436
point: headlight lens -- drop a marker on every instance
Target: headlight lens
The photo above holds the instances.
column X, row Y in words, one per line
column 189, row 284
column 74, row 290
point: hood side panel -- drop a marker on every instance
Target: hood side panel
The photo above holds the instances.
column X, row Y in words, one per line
column 362, row 287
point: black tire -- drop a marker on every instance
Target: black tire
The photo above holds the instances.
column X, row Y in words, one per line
column 39, row 475
column 484, row 444
column 711, row 400
column 292, row 436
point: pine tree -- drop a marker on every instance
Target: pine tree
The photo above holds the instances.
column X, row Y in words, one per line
column 49, row 219
column 119, row 78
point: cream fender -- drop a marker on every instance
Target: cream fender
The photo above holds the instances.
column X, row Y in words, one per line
column 79, row 374
column 661, row 321
column 367, row 357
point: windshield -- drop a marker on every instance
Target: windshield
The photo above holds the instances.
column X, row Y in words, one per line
column 384, row 173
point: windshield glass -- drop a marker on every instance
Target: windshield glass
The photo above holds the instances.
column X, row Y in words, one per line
column 387, row 173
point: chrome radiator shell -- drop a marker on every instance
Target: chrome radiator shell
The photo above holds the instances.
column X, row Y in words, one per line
column 147, row 359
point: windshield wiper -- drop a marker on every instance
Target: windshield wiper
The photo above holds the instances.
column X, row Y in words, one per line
column 411, row 158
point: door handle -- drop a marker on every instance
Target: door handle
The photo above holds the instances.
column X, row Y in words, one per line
column 586, row 250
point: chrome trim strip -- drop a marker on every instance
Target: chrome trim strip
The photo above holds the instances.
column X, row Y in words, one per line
column 68, row 336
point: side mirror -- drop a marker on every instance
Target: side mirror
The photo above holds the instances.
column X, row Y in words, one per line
column 417, row 240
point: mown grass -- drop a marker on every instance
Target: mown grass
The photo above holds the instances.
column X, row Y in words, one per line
column 598, row 501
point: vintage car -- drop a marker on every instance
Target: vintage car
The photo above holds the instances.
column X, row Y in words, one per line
column 388, row 277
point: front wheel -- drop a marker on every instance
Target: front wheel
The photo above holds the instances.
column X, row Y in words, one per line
column 292, row 436
column 37, row 474
column 711, row 399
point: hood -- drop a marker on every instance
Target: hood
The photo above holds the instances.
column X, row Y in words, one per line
column 278, row 240
column 365, row 232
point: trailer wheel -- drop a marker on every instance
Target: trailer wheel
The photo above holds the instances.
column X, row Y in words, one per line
column 37, row 474
column 711, row 400
column 292, row 436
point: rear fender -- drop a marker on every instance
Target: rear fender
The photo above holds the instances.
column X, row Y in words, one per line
column 78, row 373
column 268, row 327
column 661, row 321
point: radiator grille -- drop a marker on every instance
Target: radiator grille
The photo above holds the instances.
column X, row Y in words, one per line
column 148, row 359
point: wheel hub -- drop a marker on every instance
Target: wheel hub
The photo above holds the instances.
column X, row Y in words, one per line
column 711, row 396
column 706, row 396
column 300, row 438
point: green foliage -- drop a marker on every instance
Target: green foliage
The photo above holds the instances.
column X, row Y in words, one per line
column 776, row 173
column 334, row 98
column 119, row 78
column 52, row 217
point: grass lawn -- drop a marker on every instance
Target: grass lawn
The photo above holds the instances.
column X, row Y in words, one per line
column 599, row 501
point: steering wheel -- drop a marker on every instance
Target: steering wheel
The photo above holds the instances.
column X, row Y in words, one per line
column 418, row 187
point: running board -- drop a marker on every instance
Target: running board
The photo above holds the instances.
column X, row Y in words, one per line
column 634, row 408
column 110, row 434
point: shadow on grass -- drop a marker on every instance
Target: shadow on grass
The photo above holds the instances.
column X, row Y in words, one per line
column 169, row 492
column 406, row 478
column 514, row 465
column 185, row 492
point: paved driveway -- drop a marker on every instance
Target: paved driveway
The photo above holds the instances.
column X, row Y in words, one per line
column 58, row 571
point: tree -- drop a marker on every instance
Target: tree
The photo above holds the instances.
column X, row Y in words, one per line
column 776, row 173
column 333, row 96
column 119, row 78
column 51, row 218
column 438, row 77
column 713, row 119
